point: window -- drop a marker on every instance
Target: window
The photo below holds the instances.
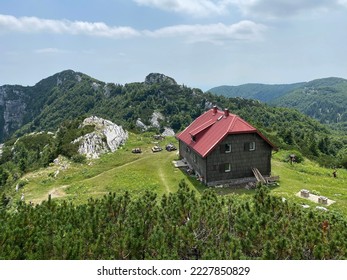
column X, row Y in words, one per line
column 225, row 148
column 194, row 158
column 225, row 167
column 250, row 146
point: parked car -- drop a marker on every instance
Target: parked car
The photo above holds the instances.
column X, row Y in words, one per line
column 136, row 151
column 170, row 147
column 156, row 149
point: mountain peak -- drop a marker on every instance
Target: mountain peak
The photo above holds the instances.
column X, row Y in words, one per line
column 157, row 78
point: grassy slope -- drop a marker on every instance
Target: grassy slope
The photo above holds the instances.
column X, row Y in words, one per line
column 118, row 172
column 124, row 171
column 308, row 175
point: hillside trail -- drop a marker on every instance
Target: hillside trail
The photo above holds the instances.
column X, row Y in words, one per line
column 115, row 168
column 57, row 192
column 163, row 179
column 54, row 193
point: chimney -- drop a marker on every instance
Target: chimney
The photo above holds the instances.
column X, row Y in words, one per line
column 214, row 109
column 226, row 112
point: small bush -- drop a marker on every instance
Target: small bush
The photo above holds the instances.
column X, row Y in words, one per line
column 79, row 158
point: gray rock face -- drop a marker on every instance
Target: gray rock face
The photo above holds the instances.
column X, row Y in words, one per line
column 141, row 125
column 107, row 137
column 156, row 78
column 156, row 116
column 13, row 108
column 168, row 131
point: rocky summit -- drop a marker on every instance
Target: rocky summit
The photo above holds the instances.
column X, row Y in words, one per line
column 157, row 78
column 106, row 137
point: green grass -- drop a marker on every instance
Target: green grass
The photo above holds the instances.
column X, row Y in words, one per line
column 115, row 172
column 123, row 171
column 309, row 175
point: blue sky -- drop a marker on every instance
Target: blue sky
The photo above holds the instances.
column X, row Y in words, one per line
column 200, row 43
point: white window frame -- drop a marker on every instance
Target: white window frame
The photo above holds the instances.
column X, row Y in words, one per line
column 227, row 167
column 252, row 146
column 227, row 151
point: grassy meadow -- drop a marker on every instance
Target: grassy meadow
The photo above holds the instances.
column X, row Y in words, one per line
column 124, row 171
column 114, row 172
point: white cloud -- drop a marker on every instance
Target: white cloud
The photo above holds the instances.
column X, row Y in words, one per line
column 216, row 33
column 196, row 8
column 286, row 8
column 38, row 25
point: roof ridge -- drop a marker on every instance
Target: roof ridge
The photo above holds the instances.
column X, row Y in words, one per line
column 202, row 127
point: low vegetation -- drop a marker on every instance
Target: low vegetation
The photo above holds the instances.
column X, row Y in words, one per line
column 178, row 225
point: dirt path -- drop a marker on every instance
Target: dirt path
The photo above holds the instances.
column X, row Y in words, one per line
column 163, row 179
column 54, row 193
column 115, row 168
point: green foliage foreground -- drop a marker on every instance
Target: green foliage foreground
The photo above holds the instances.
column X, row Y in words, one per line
column 180, row 225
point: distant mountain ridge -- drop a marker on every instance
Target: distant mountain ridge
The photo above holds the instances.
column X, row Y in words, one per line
column 323, row 99
column 261, row 92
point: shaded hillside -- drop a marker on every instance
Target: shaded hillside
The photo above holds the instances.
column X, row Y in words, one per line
column 323, row 99
column 21, row 105
column 261, row 92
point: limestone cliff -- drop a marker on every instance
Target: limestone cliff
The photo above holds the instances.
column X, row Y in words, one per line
column 106, row 137
column 12, row 109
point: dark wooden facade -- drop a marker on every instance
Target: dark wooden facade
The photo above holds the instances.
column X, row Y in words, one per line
column 233, row 158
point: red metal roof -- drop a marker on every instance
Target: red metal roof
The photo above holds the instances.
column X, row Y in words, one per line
column 209, row 129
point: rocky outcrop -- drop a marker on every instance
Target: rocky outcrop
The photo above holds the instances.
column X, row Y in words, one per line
column 141, row 125
column 106, row 137
column 168, row 131
column 156, row 116
column 155, row 123
column 157, row 78
column 12, row 109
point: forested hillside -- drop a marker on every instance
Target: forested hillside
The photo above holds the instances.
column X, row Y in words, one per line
column 261, row 92
column 321, row 99
column 324, row 100
column 177, row 226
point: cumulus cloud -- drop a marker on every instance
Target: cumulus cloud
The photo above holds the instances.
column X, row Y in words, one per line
column 216, row 33
column 38, row 25
column 243, row 30
column 196, row 8
column 285, row 8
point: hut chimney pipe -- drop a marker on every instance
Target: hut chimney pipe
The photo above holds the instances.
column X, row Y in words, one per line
column 214, row 110
column 226, row 112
